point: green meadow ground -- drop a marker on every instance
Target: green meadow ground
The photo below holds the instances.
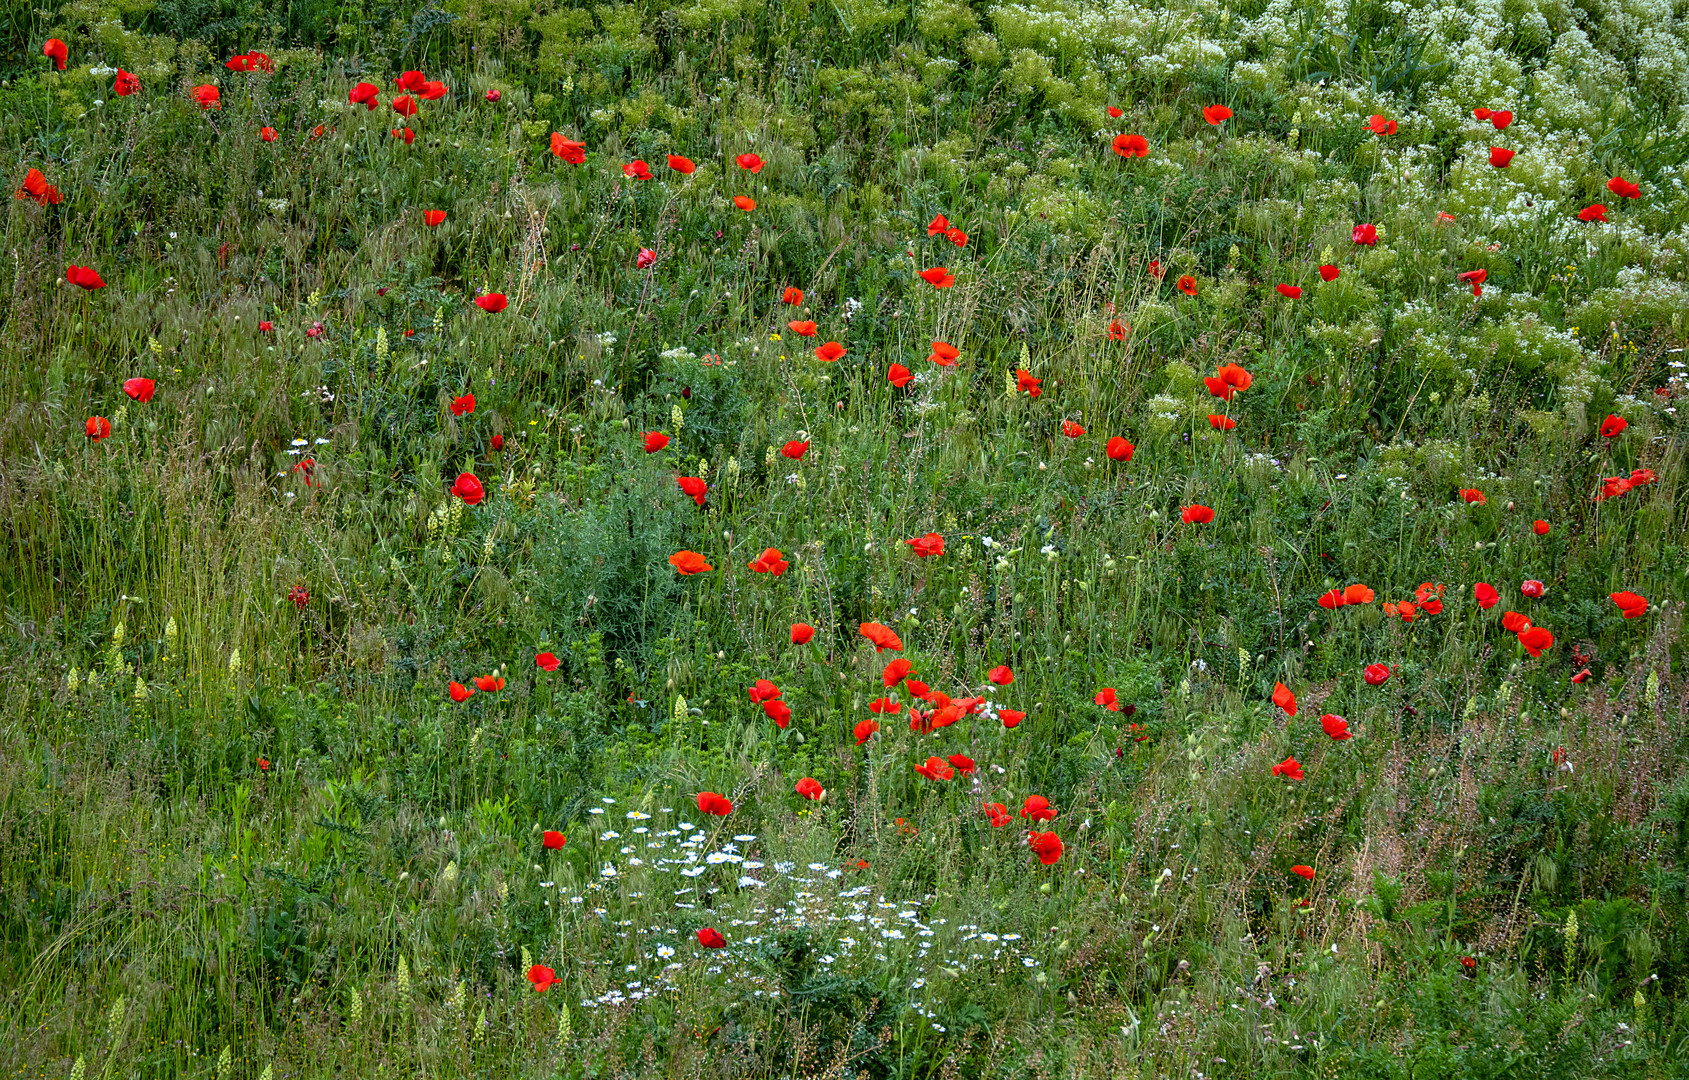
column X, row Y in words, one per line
column 246, row 832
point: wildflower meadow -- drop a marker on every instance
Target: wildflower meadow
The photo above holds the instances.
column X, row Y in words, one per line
column 696, row 538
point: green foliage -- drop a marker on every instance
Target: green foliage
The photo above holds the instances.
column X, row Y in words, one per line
column 239, row 809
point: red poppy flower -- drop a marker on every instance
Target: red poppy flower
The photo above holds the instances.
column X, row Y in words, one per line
column 957, row 237
column 936, row 768
column 1612, row 487
column 410, row 81
column 1613, row 425
column 1404, row 608
column 553, row 840
column 546, row 661
column 1037, row 808
column 431, row 218
column 944, row 354
column 1486, row 595
column 885, row 706
column 1186, row 285
column 1501, row 157
column 715, row 805
column 930, row 544
column 1515, row 623
column 1131, row 146
column 492, row 303
column 1001, row 675
column 1045, row 845
column 1501, row 118
column 1025, row 383
column 266, row 326
column 56, row 51
column 1108, row 699
column 1072, row 429
column 125, row 83
column 938, row 277
column 899, row 376
column 542, row 978
column 864, row 730
column 710, row 938
column 749, row 162
column 490, row 684
column 829, row 352
column 1119, row 449
column 1366, row 235
column 778, row 711
column 1582, row 676
column 498, row 442
column 468, row 487
column 464, row 405
column 801, row 328
column 405, row 106
column 998, row 813
column 1533, row 588
column 1196, row 514
column 802, row 633
column 433, row 90
column 1357, row 594
column 1472, row 495
column 85, row 277
column 572, row 152
column 263, row 764
column 655, row 441
column 693, row 486
column 1293, row 292
column 140, row 390
column 36, row 188
column 896, row 672
column 795, row 449
column 1304, row 872
column 1115, row 112
column 1632, row 605
column 404, row 135
column 1623, row 188
column 1329, row 272
column 98, row 427
column 1593, row 212
column 1378, row 125
column 1289, row 768
column 1540, row 527
column 267, row 134
column 1468, row 962
column 1221, row 423
column 207, row 96
column 637, row 170
column 745, row 203
column 1481, row 113
column 882, row 636
column 459, row 692
column 364, row 94
column 1376, row 674
column 938, row 224
column 1284, row 699
column 962, row 763
column 689, row 562
column 809, row 789
column 1216, row 114
column 1118, row 330
column 770, row 562
column 1336, row 727
column 682, row 165
column 1535, row 640
column 1010, row 717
